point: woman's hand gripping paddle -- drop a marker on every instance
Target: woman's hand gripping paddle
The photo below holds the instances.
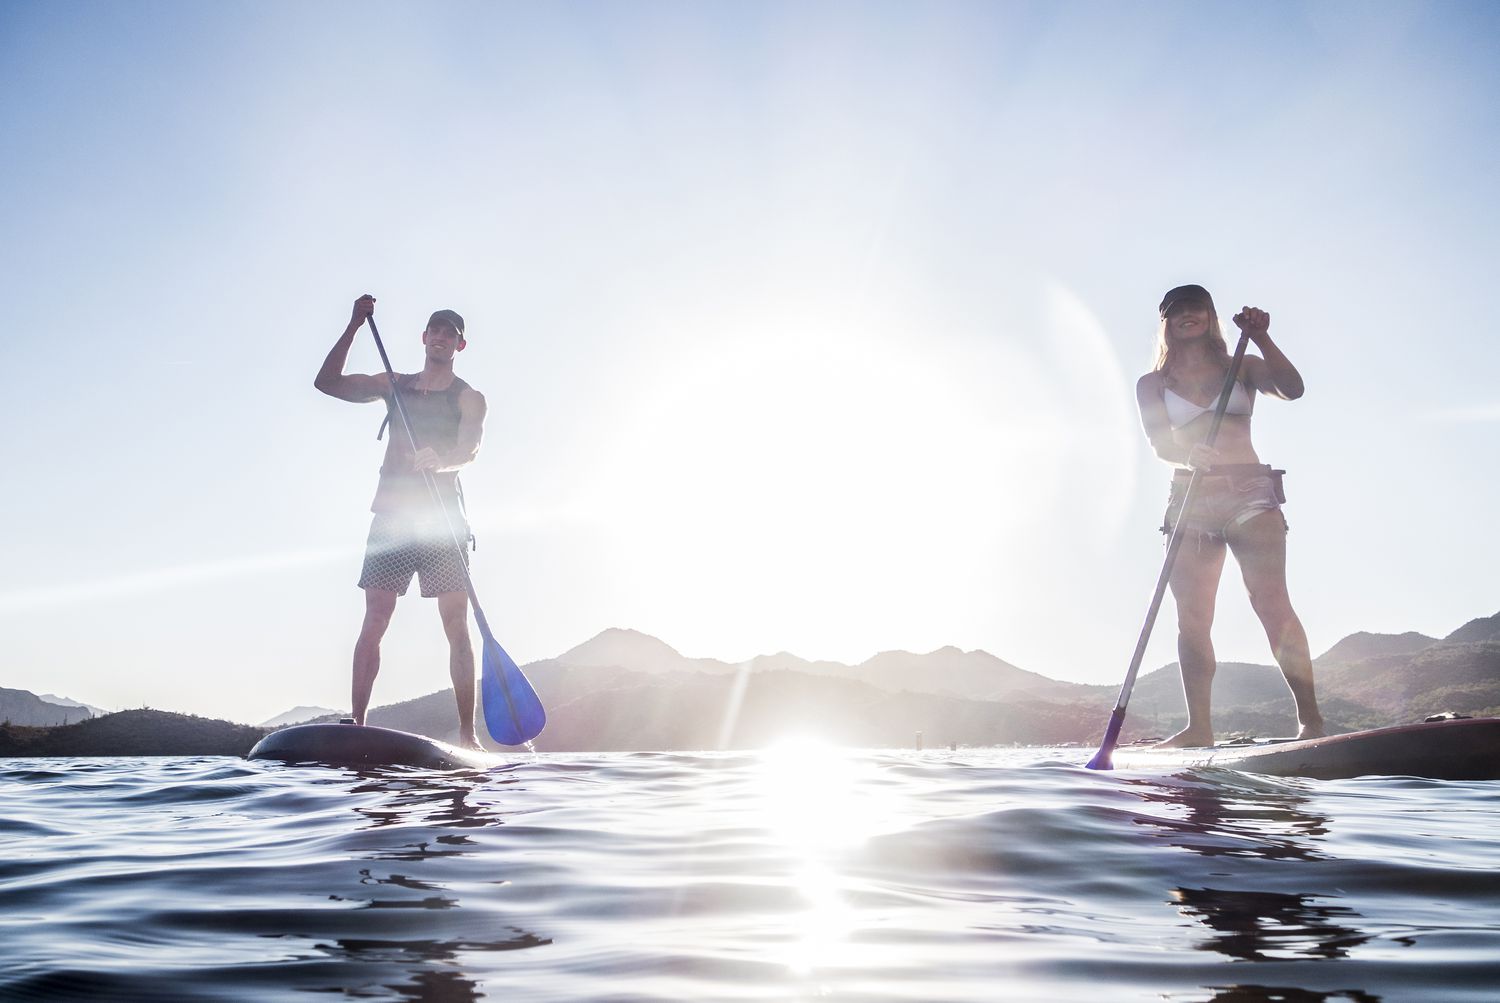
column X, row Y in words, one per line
column 513, row 714
column 1104, row 758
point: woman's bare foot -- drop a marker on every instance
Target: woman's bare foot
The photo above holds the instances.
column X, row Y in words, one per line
column 469, row 742
column 1311, row 729
column 1188, row 738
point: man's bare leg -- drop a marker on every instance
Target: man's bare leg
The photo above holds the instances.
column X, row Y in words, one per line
column 379, row 604
column 453, row 607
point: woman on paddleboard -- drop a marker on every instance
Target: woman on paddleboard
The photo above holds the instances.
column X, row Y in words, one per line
column 1237, row 501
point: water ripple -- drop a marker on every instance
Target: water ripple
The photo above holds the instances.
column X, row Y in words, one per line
column 796, row 874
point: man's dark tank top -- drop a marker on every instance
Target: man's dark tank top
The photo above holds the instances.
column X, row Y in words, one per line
column 434, row 417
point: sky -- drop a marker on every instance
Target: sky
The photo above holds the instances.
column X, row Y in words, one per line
column 805, row 327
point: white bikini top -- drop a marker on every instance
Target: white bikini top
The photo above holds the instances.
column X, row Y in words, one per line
column 1181, row 411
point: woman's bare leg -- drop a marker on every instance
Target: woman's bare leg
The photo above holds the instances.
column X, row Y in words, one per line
column 1259, row 546
column 1195, row 586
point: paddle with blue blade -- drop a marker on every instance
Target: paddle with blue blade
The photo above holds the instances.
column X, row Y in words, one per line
column 513, row 714
column 1104, row 758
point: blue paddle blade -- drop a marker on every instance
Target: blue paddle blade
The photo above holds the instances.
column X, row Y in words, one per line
column 512, row 711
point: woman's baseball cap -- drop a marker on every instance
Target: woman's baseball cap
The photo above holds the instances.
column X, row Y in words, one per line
column 1182, row 294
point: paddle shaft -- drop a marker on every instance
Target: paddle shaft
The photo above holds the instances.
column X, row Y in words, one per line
column 1101, row 760
column 437, row 499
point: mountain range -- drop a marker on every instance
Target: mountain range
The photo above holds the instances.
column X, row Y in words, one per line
column 625, row 690
column 22, row 707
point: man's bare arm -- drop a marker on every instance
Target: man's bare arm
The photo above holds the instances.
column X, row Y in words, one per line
column 353, row 387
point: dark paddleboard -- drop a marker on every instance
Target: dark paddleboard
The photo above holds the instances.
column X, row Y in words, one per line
column 1454, row 749
column 366, row 745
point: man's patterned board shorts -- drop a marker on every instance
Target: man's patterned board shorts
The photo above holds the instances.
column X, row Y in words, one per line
column 400, row 546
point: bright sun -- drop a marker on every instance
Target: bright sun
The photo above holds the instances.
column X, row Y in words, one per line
column 791, row 458
column 820, row 478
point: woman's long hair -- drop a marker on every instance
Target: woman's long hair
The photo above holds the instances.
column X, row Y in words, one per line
column 1216, row 345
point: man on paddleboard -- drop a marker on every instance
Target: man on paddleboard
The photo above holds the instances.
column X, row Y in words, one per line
column 412, row 532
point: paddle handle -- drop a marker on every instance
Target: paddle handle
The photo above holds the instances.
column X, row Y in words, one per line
column 1102, row 759
column 1228, row 391
column 400, row 408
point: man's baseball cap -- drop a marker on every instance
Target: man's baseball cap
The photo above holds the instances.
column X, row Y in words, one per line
column 449, row 317
column 1182, row 294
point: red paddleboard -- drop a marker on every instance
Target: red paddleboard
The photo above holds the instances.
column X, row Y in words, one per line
column 1452, row 749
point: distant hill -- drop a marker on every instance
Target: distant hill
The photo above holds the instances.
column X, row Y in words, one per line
column 22, row 707
column 658, row 699
column 631, row 649
column 625, row 690
column 558, row 684
column 785, row 661
column 1461, row 677
column 133, row 733
column 1484, row 629
column 1249, row 699
column 704, row 711
column 973, row 675
column 1258, row 689
column 430, row 715
column 435, row 716
column 300, row 715
column 1366, row 645
column 970, row 675
column 65, row 702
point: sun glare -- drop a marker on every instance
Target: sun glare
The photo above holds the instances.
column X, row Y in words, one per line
column 776, row 469
column 819, row 801
column 834, row 475
column 819, row 797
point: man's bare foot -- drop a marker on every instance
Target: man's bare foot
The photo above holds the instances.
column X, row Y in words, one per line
column 1311, row 729
column 469, row 742
column 1187, row 738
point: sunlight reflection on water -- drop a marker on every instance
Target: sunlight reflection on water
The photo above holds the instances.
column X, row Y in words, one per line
column 817, row 800
column 799, row 873
column 819, row 797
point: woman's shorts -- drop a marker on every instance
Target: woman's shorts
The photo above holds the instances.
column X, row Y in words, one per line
column 1227, row 496
column 401, row 546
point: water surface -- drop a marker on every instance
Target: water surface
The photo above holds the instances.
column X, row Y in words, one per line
column 803, row 873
